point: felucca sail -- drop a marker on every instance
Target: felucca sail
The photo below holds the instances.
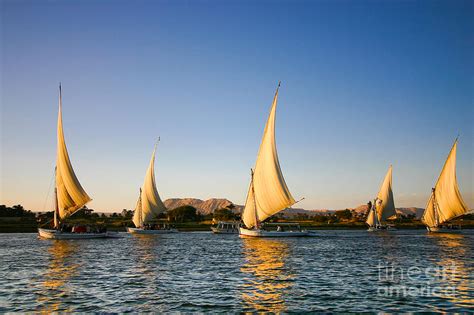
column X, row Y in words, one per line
column 386, row 205
column 372, row 219
column 70, row 196
column 445, row 202
column 149, row 203
column 268, row 193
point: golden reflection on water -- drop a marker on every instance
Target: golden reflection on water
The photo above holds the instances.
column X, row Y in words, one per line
column 457, row 275
column 146, row 249
column 266, row 278
column 62, row 266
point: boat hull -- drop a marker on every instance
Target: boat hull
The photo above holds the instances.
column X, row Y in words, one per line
column 243, row 232
column 142, row 231
column 442, row 229
column 383, row 228
column 221, row 231
column 58, row 235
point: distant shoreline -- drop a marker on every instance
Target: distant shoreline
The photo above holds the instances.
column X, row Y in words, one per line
column 18, row 220
column 196, row 227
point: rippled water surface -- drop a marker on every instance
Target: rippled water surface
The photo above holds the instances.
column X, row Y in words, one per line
column 336, row 271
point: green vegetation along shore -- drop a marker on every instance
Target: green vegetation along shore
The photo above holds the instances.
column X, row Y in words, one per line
column 186, row 218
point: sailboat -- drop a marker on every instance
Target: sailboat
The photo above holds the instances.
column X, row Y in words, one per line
column 383, row 206
column 70, row 197
column 445, row 202
column 268, row 193
column 149, row 206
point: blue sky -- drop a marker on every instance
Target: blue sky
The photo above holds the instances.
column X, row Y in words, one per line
column 365, row 84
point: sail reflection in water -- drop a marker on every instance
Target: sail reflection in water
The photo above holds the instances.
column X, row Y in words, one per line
column 63, row 265
column 145, row 257
column 266, row 278
column 458, row 276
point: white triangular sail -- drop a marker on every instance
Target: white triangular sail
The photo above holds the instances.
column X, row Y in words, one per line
column 429, row 216
column 268, row 193
column 385, row 204
column 149, row 203
column 137, row 214
column 445, row 202
column 372, row 219
column 249, row 215
column 70, row 195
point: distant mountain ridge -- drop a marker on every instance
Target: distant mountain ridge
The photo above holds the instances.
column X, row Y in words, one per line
column 203, row 206
column 208, row 206
column 418, row 212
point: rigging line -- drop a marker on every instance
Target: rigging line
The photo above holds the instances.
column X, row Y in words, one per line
column 49, row 191
column 46, row 223
column 298, row 201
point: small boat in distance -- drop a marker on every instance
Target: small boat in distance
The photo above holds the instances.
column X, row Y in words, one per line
column 445, row 202
column 268, row 193
column 69, row 195
column 226, row 227
column 383, row 206
column 149, row 206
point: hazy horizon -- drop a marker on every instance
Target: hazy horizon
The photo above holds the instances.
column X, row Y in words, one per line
column 364, row 85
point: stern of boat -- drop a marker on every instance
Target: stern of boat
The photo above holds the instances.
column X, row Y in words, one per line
column 243, row 232
column 442, row 229
column 46, row 233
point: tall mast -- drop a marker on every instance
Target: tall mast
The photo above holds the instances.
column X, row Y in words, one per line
column 56, row 205
column 140, row 208
column 56, row 202
column 435, row 207
column 257, row 222
column 374, row 207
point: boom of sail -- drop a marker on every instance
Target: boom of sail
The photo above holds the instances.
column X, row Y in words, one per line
column 149, row 203
column 445, row 202
column 70, row 196
column 268, row 193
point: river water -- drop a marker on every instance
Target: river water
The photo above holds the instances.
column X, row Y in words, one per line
column 335, row 271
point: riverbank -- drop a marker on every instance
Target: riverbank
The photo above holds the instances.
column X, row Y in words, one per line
column 29, row 225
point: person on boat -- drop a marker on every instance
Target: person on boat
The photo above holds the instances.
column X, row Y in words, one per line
column 81, row 229
column 369, row 205
column 374, row 204
column 65, row 228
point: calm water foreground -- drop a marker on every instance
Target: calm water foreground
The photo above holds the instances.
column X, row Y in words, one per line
column 336, row 271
